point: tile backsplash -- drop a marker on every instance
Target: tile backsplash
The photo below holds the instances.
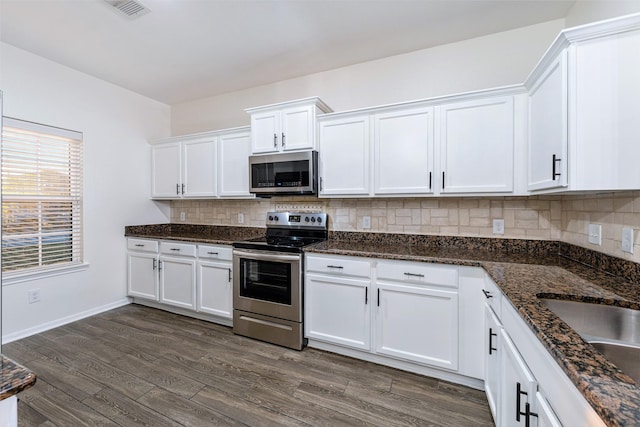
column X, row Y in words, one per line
column 564, row 218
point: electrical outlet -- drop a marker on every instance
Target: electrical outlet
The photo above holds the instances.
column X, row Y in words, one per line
column 595, row 234
column 627, row 240
column 34, row 296
column 366, row 222
column 498, row 226
column 240, row 218
column 183, row 216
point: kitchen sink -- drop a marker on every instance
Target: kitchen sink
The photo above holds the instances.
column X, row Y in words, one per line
column 625, row 357
column 613, row 331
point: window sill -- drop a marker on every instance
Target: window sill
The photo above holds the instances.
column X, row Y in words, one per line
column 13, row 279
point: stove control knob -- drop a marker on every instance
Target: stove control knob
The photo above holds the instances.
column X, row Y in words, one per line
column 319, row 220
column 270, row 217
column 277, row 218
column 306, row 219
column 313, row 219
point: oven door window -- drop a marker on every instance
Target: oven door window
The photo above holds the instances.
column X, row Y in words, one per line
column 265, row 280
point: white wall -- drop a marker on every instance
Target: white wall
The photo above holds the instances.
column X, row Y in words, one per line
column 495, row 60
column 116, row 124
column 584, row 11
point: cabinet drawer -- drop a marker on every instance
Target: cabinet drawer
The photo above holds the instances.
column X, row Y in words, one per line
column 142, row 245
column 182, row 249
column 415, row 272
column 493, row 295
column 215, row 252
column 339, row 266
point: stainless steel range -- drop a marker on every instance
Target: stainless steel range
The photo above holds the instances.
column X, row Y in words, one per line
column 268, row 283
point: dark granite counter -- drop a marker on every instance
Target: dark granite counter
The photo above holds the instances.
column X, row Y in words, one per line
column 525, row 271
column 14, row 378
column 212, row 234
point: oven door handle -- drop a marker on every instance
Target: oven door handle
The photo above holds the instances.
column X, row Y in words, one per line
column 266, row 256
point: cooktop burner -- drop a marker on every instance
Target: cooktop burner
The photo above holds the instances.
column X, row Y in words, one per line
column 289, row 232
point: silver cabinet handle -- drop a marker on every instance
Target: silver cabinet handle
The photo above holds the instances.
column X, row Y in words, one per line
column 155, row 264
column 138, row 245
column 229, row 275
column 283, row 139
column 178, row 189
column 275, row 140
column 212, row 253
column 335, row 266
column 182, row 188
column 414, row 274
column 175, row 249
column 159, row 265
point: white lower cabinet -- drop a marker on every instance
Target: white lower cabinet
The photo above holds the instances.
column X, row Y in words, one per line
column 337, row 310
column 188, row 277
column 417, row 323
column 518, row 387
column 492, row 361
column 142, row 273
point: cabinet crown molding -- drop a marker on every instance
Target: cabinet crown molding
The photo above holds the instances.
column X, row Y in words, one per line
column 313, row 100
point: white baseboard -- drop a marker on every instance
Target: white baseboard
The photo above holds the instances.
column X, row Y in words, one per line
column 63, row 321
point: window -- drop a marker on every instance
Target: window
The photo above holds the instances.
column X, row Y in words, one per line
column 41, row 197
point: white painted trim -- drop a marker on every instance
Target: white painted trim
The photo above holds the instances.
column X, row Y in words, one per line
column 41, row 274
column 63, row 321
column 207, row 134
column 400, row 364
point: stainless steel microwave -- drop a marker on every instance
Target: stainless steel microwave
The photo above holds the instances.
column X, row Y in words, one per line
column 284, row 174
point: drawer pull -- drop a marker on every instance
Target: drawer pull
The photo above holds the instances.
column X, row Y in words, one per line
column 414, row 275
column 212, row 253
column 335, row 266
column 175, row 249
column 487, row 294
column 138, row 245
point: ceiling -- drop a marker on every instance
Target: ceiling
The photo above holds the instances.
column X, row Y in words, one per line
column 190, row 49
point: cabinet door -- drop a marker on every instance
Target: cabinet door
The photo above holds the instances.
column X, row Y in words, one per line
column 265, row 132
column 166, row 171
column 418, row 324
column 476, row 146
column 546, row 416
column 517, row 387
column 199, row 168
column 298, row 128
column 548, row 128
column 338, row 311
column 605, row 141
column 403, row 152
column 215, row 293
column 344, row 156
column 233, row 160
column 178, row 281
column 493, row 352
column 142, row 275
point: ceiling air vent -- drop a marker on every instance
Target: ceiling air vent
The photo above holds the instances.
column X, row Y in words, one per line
column 129, row 8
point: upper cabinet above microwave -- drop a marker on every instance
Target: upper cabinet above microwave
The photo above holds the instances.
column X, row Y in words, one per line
column 287, row 126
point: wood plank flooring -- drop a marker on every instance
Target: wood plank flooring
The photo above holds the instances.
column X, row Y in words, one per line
column 137, row 366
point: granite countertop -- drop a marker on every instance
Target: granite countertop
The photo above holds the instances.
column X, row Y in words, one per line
column 14, row 378
column 525, row 271
column 212, row 234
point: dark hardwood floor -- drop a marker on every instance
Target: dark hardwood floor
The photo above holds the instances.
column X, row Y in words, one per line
column 140, row 366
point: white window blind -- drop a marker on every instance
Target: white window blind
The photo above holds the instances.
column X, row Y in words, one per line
column 41, row 197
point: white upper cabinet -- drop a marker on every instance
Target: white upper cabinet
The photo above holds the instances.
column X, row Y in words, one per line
column 233, row 164
column 344, row 156
column 547, row 152
column 477, row 146
column 584, row 98
column 287, row 126
column 184, row 169
column 166, row 171
column 403, row 152
column 201, row 166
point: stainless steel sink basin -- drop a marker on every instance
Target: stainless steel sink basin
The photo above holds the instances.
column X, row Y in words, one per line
column 627, row 358
column 613, row 331
column 598, row 320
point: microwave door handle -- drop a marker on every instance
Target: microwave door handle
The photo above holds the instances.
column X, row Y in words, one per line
column 266, row 256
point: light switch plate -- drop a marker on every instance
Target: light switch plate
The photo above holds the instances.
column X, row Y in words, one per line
column 498, row 226
column 240, row 218
column 366, row 222
column 182, row 216
column 595, row 234
column 627, row 240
